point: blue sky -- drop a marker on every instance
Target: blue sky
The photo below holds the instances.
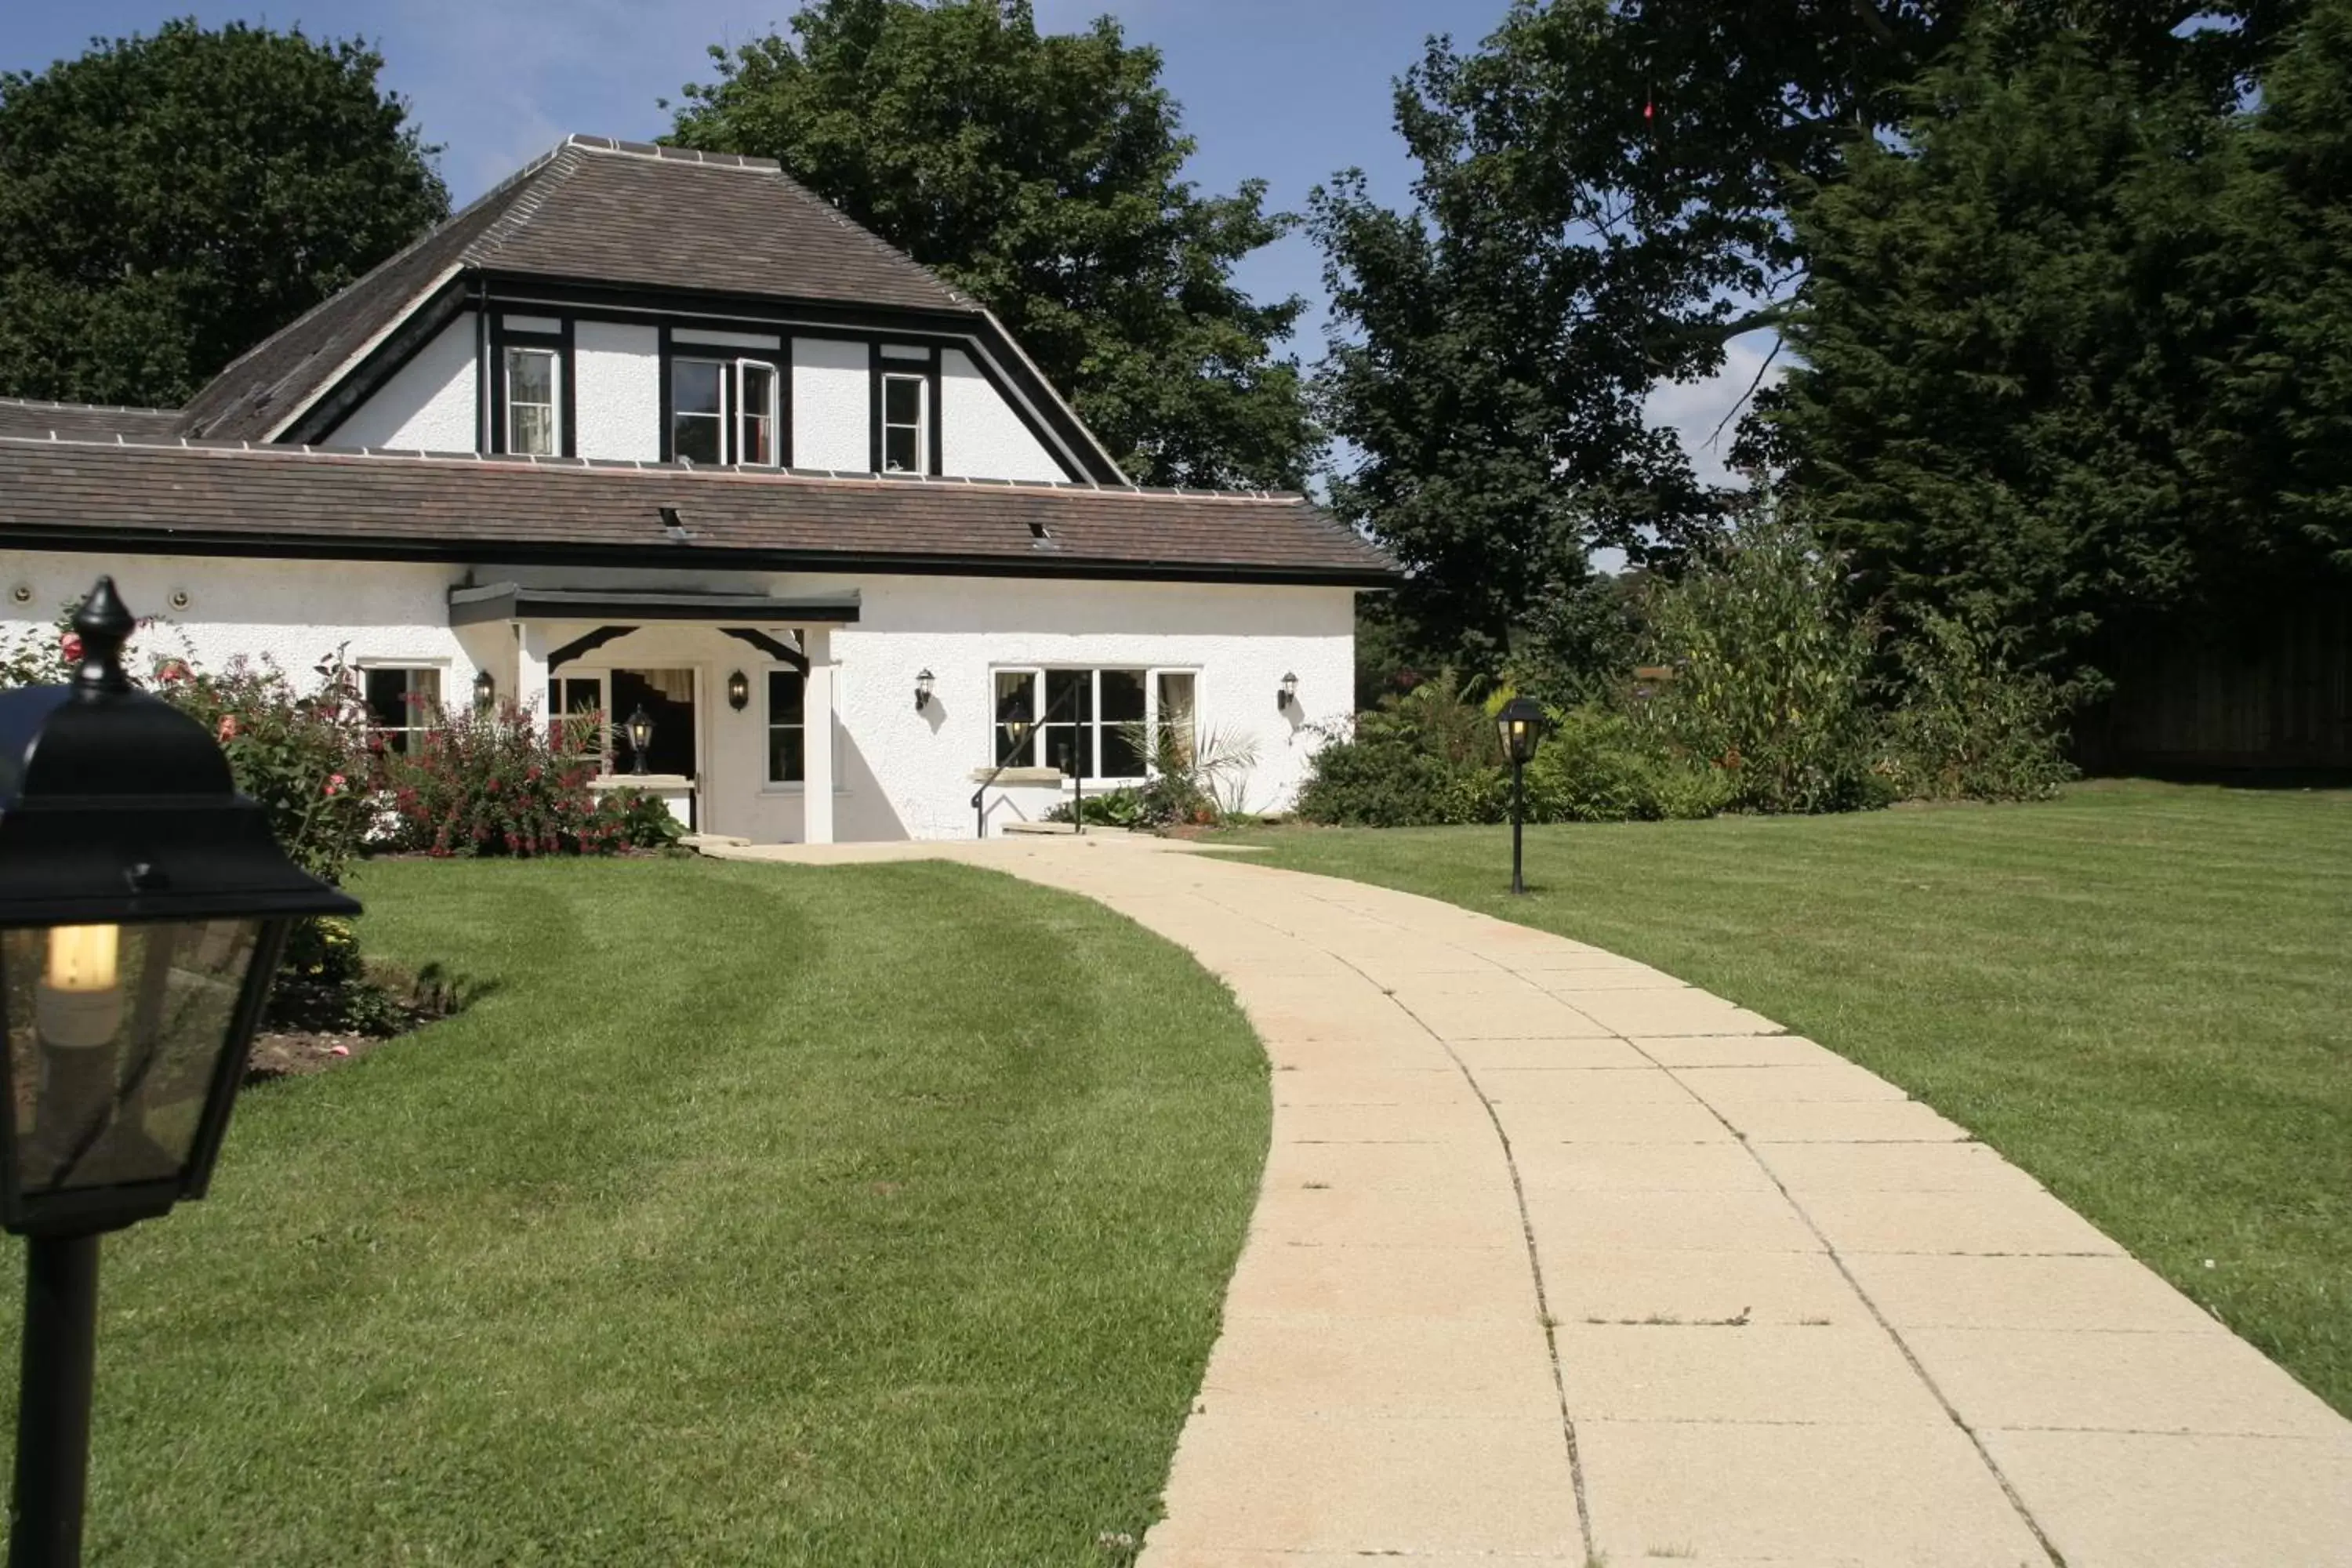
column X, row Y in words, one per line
column 1287, row 91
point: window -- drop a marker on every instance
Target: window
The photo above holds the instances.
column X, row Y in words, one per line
column 906, row 424
column 787, row 726
column 404, row 701
column 724, row 411
column 532, row 401
column 1094, row 723
column 575, row 716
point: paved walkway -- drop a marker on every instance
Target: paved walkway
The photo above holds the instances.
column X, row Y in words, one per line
column 1560, row 1261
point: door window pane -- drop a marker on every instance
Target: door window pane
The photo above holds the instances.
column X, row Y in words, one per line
column 575, row 716
column 1015, row 687
column 1122, row 723
column 787, row 726
column 666, row 697
column 1068, row 728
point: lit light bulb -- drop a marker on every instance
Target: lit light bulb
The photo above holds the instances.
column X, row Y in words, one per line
column 83, row 958
column 78, row 1004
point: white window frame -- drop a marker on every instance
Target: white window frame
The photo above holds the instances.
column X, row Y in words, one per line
column 554, row 404
column 1035, row 746
column 921, row 381
column 731, row 375
column 767, row 723
column 412, row 667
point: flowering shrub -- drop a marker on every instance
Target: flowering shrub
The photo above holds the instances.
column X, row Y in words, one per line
column 491, row 783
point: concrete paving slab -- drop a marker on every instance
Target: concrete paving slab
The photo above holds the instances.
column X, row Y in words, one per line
column 1371, row 1487
column 1732, row 1050
column 1841, row 1122
column 1670, row 1013
column 1451, row 1283
column 1438, row 1082
column 1388, row 1167
column 2208, row 1381
column 2117, row 1500
column 1556, row 1122
column 1381, row 1367
column 2113, row 1293
column 1807, row 1169
column 1537, row 1052
column 1453, row 1122
column 1339, row 1216
column 1399, row 1048
column 2010, row 1220
column 1816, row 1082
column 1569, row 984
column 1534, row 1015
column 1668, row 1222
column 1772, row 1374
column 1582, row 1085
column 1630, row 1285
column 1714, row 1493
column 1720, row 1167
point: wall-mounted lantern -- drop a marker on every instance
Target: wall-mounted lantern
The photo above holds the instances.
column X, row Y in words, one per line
column 739, row 691
column 486, row 691
column 639, row 727
column 922, row 691
column 143, row 905
column 1285, row 696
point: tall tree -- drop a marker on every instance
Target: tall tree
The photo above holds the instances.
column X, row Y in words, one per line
column 167, row 202
column 2057, row 340
column 1602, row 203
column 1040, row 173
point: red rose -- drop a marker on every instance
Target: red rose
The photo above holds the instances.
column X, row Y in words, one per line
column 70, row 646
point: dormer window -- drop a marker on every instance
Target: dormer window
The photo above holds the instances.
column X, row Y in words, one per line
column 905, row 423
column 723, row 411
column 532, row 402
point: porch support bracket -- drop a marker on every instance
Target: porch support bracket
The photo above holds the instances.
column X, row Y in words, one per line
column 588, row 644
column 781, row 652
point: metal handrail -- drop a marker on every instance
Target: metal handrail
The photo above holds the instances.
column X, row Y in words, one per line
column 980, row 812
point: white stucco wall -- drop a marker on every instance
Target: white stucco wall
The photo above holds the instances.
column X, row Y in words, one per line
column 979, row 432
column 616, row 390
column 902, row 773
column 832, row 405
column 428, row 405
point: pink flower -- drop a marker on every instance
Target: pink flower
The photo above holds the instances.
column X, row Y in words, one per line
column 70, row 646
column 339, row 1050
column 334, row 783
column 229, row 727
column 173, row 672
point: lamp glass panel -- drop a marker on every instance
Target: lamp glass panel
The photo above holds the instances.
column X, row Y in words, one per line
column 114, row 1034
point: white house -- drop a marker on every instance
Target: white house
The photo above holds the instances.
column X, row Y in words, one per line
column 644, row 429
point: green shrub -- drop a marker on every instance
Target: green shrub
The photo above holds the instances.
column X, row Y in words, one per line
column 1429, row 756
column 492, row 783
column 1599, row 766
column 1969, row 727
column 1770, row 667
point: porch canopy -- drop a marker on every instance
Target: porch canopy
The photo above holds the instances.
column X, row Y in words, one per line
column 612, row 612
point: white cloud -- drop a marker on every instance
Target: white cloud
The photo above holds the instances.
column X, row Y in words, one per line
column 1695, row 408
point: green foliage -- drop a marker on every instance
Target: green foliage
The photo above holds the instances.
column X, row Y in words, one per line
column 1770, row 665
column 1041, row 173
column 491, row 782
column 1596, row 765
column 167, row 202
column 1195, row 778
column 1966, row 726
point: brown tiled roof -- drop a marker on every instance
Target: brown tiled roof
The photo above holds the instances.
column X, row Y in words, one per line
column 207, row 498
column 84, row 421
column 592, row 211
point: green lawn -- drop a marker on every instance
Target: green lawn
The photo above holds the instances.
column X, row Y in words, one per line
column 757, row 1215
column 2139, row 993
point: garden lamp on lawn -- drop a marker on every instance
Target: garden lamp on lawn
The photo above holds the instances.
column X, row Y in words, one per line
column 1521, row 722
column 143, row 905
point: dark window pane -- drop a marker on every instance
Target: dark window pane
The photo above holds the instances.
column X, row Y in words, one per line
column 667, row 697
column 695, row 438
column 1015, row 688
column 387, row 699
column 786, row 697
column 902, row 400
column 787, row 758
column 751, row 443
column 1122, row 695
column 901, row 451
column 1069, row 695
column 694, row 386
column 531, row 432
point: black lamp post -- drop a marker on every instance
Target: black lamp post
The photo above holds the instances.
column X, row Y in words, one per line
column 143, row 905
column 1013, row 718
column 1522, row 723
column 639, row 727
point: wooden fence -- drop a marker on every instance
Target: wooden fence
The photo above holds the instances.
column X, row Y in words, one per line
column 2277, row 697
